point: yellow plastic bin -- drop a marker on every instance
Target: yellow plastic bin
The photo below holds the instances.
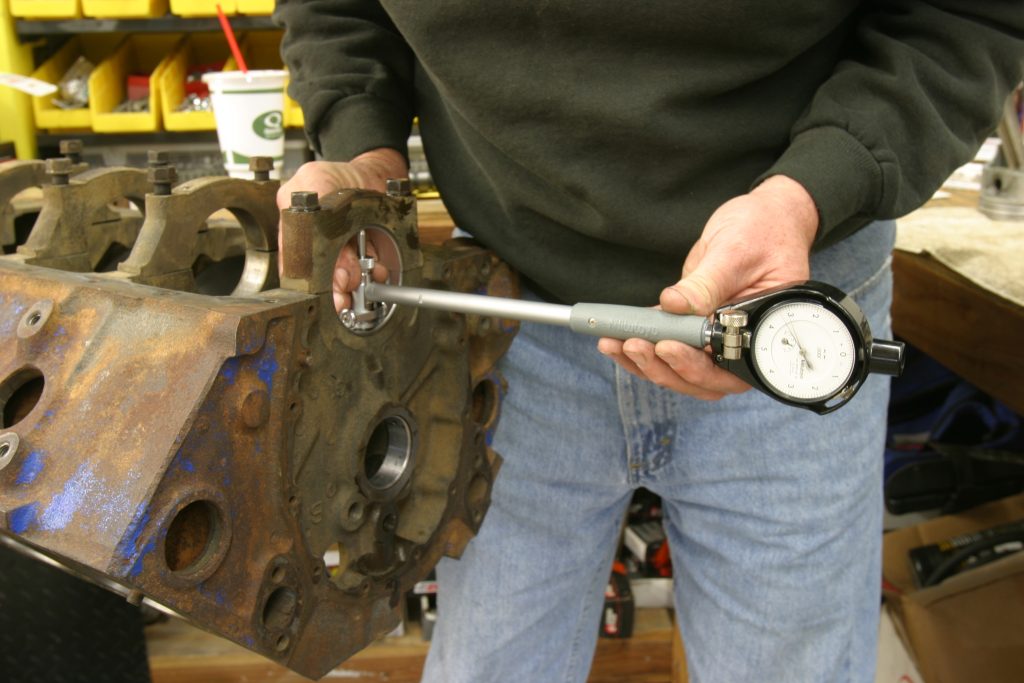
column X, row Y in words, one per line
column 199, row 49
column 95, row 48
column 138, row 54
column 255, row 6
column 46, row 9
column 262, row 50
column 202, row 8
column 124, row 9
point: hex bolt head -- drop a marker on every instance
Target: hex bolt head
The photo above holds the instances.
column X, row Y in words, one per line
column 399, row 187
column 157, row 158
column 59, row 169
column 305, row 201
column 72, row 149
column 162, row 178
column 261, row 167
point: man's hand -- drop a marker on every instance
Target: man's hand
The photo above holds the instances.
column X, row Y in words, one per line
column 751, row 243
column 368, row 171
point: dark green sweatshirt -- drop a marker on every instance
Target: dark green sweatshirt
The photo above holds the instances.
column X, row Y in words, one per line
column 588, row 141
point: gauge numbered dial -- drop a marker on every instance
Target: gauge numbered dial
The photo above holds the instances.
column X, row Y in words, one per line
column 803, row 351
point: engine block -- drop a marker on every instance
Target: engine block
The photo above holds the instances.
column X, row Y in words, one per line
column 207, row 452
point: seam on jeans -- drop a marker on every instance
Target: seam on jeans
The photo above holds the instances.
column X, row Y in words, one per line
column 873, row 279
column 630, row 474
column 583, row 622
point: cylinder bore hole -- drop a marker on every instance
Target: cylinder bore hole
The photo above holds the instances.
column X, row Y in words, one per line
column 192, row 536
column 280, row 607
column 19, row 394
column 388, row 453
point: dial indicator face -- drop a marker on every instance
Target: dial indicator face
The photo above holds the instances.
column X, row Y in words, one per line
column 803, row 351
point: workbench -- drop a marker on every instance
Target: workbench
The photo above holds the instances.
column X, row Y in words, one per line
column 972, row 331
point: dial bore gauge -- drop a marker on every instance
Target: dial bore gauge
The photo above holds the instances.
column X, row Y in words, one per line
column 806, row 344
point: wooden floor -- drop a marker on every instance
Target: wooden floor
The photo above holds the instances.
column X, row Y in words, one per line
column 179, row 653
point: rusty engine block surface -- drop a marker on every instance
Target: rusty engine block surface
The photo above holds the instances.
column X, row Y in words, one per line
column 206, row 452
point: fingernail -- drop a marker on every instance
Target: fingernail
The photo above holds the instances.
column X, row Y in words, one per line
column 686, row 306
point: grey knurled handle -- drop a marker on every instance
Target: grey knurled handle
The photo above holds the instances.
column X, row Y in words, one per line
column 627, row 322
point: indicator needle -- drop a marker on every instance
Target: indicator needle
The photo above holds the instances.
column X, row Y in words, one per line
column 799, row 346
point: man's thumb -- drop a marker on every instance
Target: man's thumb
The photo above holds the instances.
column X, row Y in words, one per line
column 698, row 293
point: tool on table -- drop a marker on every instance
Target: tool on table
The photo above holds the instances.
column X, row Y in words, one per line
column 806, row 344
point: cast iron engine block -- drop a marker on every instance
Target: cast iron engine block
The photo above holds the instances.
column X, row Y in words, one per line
column 207, row 452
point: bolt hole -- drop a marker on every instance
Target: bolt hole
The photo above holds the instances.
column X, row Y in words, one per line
column 280, row 607
column 277, row 576
column 282, row 643
column 485, row 402
column 19, row 394
column 356, row 511
column 389, row 524
column 34, row 319
column 192, row 536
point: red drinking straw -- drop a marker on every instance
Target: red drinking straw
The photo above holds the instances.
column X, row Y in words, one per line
column 232, row 43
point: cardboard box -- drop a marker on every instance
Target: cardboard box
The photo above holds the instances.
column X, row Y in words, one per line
column 970, row 627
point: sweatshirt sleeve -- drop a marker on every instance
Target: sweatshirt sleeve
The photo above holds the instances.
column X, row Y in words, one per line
column 351, row 72
column 920, row 87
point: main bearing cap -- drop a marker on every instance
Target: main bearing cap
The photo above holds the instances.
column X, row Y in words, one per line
column 246, row 461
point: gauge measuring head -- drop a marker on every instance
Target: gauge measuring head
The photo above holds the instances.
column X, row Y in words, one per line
column 806, row 344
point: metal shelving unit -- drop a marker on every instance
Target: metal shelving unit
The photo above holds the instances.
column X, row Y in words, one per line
column 29, row 29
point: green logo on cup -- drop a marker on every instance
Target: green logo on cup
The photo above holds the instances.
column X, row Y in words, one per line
column 269, row 126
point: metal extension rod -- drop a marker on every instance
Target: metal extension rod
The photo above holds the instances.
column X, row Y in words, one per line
column 598, row 320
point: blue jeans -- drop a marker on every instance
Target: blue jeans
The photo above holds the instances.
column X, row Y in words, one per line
column 773, row 515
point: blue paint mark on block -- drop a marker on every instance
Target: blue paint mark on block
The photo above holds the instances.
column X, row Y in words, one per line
column 230, row 370
column 64, row 505
column 139, row 561
column 24, row 517
column 140, row 519
column 266, row 367
column 30, row 469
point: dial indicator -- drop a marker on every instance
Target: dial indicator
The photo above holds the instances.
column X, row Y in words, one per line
column 803, row 350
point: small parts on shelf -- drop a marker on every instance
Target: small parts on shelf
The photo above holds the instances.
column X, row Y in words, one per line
column 136, row 87
column 74, row 85
column 197, row 93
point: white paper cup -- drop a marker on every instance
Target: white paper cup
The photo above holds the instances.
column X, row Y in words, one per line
column 249, row 109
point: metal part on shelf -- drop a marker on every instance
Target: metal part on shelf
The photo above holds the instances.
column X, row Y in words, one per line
column 209, row 452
